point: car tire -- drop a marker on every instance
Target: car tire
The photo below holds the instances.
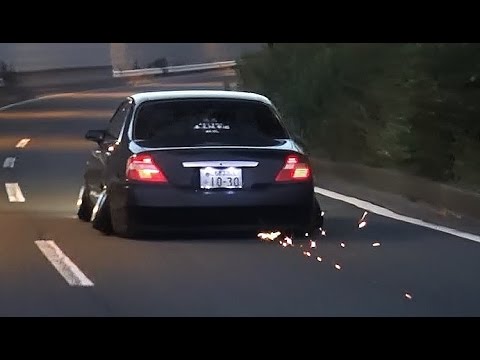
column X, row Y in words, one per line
column 122, row 224
column 318, row 218
column 314, row 229
column 84, row 211
column 101, row 214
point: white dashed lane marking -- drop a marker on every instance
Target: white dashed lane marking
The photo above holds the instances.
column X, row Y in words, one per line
column 14, row 192
column 22, row 143
column 70, row 272
column 9, row 162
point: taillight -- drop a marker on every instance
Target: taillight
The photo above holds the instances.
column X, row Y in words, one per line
column 142, row 167
column 295, row 169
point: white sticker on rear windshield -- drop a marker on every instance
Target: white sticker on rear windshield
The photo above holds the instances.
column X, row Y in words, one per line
column 211, row 126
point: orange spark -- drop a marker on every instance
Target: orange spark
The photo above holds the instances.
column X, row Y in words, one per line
column 268, row 236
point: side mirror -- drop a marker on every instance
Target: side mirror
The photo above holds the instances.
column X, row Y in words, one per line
column 95, row 135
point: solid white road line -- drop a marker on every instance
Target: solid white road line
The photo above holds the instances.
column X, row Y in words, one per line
column 19, row 103
column 14, row 193
column 6, row 107
column 22, row 143
column 70, row 272
column 52, row 96
column 392, row 215
column 9, row 162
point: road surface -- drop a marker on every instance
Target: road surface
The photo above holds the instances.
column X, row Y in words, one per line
column 386, row 268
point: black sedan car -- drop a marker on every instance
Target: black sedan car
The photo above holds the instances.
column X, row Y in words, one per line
column 199, row 160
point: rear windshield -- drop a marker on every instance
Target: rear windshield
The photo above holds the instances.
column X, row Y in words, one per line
column 196, row 122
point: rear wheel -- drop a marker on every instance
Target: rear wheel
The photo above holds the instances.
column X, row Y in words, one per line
column 318, row 220
column 122, row 224
column 101, row 214
column 314, row 228
column 85, row 206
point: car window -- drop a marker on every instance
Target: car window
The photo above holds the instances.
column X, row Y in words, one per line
column 118, row 119
column 193, row 122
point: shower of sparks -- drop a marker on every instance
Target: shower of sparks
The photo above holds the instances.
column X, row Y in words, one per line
column 408, row 296
column 313, row 244
column 307, row 253
column 289, row 241
column 323, row 213
column 338, row 267
column 306, row 234
column 323, row 232
column 319, row 258
column 376, row 244
column 362, row 224
column 269, row 236
column 284, row 244
column 342, row 245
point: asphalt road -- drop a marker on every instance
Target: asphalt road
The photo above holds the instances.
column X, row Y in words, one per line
column 413, row 272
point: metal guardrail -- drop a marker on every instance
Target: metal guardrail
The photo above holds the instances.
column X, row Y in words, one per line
column 174, row 69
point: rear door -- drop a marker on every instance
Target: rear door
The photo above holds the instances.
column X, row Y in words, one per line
column 213, row 143
column 99, row 159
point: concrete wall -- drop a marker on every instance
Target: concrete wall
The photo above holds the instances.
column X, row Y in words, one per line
column 48, row 78
column 181, row 53
column 42, row 56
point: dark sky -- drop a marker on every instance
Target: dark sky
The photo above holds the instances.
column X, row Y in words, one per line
column 39, row 56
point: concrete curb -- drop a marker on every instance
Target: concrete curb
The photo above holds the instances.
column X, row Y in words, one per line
column 414, row 188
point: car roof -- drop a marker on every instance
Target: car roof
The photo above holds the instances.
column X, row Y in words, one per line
column 198, row 94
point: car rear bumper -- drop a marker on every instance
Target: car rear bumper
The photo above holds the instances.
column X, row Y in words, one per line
column 235, row 218
column 166, row 196
column 166, row 208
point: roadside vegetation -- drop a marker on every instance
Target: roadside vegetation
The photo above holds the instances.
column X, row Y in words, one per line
column 414, row 107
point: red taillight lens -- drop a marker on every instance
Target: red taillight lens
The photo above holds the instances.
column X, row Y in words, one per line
column 295, row 169
column 142, row 167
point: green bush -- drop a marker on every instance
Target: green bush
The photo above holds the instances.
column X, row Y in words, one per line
column 409, row 106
